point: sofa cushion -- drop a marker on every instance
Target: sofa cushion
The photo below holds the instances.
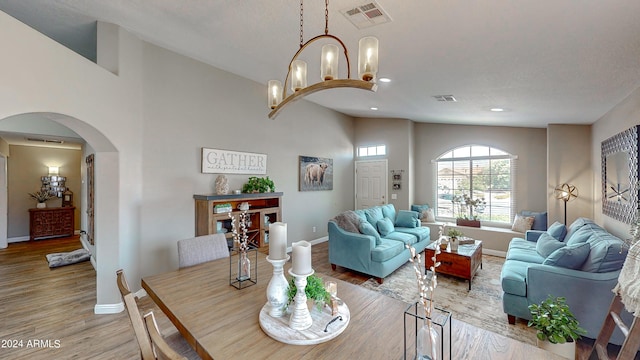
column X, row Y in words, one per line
column 522, row 223
column 386, row 250
column 408, row 219
column 373, row 215
column 368, row 229
column 519, row 243
column 389, row 211
column 539, row 221
column 403, row 237
column 420, row 209
column 385, row 226
column 428, row 216
column 513, row 277
column 421, row 232
column 557, row 230
column 361, row 214
column 607, row 253
column 525, row 255
column 581, row 235
column 547, row 244
column 576, row 225
column 570, row 256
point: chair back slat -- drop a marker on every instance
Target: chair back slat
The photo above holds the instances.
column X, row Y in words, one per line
column 139, row 328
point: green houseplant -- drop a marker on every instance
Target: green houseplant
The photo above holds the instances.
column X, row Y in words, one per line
column 314, row 290
column 556, row 325
column 258, row 185
column 454, row 233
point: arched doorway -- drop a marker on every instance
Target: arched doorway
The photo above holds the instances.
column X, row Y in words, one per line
column 107, row 201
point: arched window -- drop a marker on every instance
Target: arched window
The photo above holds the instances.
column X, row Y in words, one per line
column 478, row 172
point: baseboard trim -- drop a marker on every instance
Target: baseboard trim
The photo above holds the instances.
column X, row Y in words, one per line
column 108, row 308
column 312, row 242
column 18, row 239
column 498, row 253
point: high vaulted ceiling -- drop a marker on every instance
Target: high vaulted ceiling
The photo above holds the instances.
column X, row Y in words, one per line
column 543, row 61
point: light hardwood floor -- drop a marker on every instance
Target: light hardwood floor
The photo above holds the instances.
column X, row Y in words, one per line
column 48, row 313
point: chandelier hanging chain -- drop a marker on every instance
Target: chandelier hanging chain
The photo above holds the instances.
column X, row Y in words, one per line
column 301, row 24
column 326, row 17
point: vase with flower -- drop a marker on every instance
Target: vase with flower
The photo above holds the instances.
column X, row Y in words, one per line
column 41, row 197
column 241, row 243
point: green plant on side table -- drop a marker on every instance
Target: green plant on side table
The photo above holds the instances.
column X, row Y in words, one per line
column 258, row 185
column 556, row 325
column 454, row 233
column 315, row 291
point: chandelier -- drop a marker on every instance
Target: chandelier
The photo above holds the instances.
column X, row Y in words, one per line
column 297, row 73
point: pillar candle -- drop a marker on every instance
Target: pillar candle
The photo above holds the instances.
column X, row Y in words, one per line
column 277, row 241
column 301, row 257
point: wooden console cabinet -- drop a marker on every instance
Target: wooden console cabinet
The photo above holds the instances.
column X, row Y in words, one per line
column 51, row 222
column 264, row 209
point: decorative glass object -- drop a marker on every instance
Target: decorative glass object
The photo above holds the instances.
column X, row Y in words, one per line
column 368, row 58
column 329, row 62
column 244, row 266
column 241, row 273
column 424, row 337
column 298, row 75
column 427, row 341
column 275, row 93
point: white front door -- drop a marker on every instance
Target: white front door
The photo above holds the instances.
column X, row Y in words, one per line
column 371, row 183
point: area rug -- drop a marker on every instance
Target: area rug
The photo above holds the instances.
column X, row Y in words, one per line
column 68, row 258
column 481, row 306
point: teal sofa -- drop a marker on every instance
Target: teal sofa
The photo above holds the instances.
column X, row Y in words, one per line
column 374, row 241
column 581, row 263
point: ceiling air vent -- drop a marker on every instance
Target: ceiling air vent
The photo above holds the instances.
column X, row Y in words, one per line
column 446, row 98
column 366, row 15
column 53, row 141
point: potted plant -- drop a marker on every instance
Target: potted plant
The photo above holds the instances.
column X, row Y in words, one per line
column 314, row 290
column 557, row 326
column 454, row 234
column 258, row 185
column 41, row 197
column 468, row 210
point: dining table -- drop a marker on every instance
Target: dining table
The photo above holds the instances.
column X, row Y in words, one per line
column 221, row 321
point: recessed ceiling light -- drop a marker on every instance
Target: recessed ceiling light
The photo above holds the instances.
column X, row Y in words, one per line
column 385, row 80
column 496, row 109
column 374, row 108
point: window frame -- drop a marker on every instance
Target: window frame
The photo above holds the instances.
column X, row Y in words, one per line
column 452, row 158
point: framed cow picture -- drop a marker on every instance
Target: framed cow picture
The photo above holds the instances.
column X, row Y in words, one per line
column 315, row 173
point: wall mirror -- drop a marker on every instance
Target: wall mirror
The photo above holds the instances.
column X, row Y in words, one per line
column 620, row 175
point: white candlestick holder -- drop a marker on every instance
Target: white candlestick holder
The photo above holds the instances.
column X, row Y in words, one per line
column 277, row 288
column 300, row 317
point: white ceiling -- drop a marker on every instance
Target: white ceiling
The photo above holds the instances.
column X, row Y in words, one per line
column 562, row 61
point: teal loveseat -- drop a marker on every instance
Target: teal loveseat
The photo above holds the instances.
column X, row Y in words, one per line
column 374, row 241
column 581, row 263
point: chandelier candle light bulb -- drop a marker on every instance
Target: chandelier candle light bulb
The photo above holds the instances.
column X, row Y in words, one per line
column 277, row 241
column 275, row 93
column 329, row 62
column 299, row 71
column 368, row 58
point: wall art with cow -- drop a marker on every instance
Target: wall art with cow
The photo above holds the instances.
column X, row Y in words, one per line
column 316, row 173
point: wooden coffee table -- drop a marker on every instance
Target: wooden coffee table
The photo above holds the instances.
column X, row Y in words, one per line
column 463, row 263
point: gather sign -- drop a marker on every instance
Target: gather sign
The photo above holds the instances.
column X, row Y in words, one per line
column 216, row 161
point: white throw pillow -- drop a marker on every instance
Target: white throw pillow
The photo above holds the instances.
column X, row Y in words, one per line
column 428, row 216
column 522, row 223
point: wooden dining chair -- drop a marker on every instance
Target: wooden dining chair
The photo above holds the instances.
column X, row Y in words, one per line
column 201, row 249
column 152, row 344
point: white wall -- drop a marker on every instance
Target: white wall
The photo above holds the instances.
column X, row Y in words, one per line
column 569, row 161
column 622, row 117
column 529, row 144
column 189, row 105
column 147, row 124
